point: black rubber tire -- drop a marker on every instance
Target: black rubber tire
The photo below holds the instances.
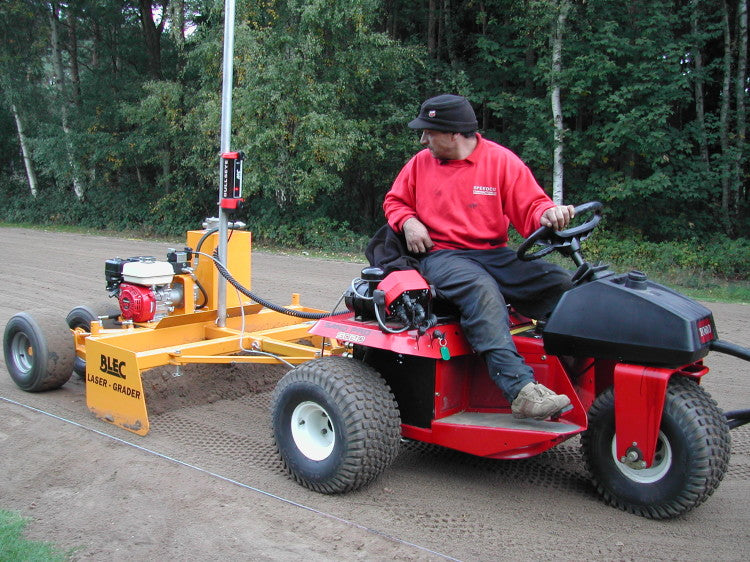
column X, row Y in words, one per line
column 82, row 317
column 692, row 454
column 362, row 424
column 39, row 353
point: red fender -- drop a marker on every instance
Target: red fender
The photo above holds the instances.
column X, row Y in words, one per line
column 639, row 401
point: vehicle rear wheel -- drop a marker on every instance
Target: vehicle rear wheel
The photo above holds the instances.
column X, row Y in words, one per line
column 335, row 424
column 82, row 317
column 39, row 353
column 692, row 454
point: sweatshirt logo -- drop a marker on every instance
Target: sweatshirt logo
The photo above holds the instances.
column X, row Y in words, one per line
column 485, row 190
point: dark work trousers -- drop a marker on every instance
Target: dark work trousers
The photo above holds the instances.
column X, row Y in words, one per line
column 480, row 283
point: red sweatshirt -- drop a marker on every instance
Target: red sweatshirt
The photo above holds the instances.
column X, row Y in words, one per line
column 468, row 204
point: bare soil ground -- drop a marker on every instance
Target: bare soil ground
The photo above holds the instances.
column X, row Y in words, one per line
column 205, row 484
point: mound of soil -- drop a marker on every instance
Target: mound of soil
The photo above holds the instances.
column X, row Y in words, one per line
column 167, row 389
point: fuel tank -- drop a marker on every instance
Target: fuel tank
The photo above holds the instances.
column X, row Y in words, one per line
column 631, row 319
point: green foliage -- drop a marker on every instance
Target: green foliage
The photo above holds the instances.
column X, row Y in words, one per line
column 323, row 90
column 301, row 226
column 719, row 257
column 338, row 125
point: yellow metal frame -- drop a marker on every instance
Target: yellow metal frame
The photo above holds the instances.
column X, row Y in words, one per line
column 116, row 358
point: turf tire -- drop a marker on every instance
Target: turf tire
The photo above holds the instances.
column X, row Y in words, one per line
column 692, row 454
column 360, row 433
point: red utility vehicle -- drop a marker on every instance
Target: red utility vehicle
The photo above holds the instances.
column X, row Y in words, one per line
column 627, row 352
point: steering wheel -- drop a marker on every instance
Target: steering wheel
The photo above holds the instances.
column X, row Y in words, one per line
column 551, row 239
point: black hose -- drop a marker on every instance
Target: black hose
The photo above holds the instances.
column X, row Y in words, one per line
column 202, row 290
column 276, row 308
column 385, row 328
column 203, row 238
column 208, row 233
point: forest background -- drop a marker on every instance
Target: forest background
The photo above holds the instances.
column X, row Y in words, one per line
column 110, row 113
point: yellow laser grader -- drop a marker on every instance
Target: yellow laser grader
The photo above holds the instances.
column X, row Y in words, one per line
column 169, row 314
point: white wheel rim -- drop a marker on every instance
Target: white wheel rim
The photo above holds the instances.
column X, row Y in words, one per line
column 313, row 431
column 661, row 465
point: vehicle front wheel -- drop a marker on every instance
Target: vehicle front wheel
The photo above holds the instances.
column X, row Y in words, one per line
column 692, row 454
column 335, row 424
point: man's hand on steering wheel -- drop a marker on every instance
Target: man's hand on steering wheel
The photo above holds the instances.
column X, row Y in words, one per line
column 562, row 240
column 558, row 217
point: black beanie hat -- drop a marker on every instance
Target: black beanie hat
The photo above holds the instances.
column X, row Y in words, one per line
column 447, row 112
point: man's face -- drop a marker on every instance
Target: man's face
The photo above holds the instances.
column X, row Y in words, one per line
column 442, row 145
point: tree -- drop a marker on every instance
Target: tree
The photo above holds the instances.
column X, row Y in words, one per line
column 645, row 101
column 60, row 81
column 741, row 118
column 152, row 32
column 557, row 116
column 341, row 116
column 18, row 62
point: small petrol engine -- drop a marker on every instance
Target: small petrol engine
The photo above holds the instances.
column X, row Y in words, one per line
column 143, row 287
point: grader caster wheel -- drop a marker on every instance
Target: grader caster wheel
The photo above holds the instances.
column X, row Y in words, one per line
column 692, row 454
column 39, row 354
column 335, row 424
column 82, row 317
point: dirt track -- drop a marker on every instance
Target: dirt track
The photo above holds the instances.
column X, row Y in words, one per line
column 204, row 484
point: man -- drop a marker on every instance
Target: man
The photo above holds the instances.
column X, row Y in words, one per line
column 453, row 202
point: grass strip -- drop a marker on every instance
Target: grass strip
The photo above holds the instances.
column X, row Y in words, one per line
column 14, row 546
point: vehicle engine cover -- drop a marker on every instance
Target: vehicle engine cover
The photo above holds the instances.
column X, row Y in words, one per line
column 630, row 319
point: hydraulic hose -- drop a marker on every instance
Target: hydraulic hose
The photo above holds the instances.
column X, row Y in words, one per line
column 276, row 308
column 208, row 233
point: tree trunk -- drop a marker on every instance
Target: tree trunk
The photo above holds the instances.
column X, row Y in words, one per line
column 60, row 83
column 740, row 86
column 177, row 11
column 557, row 40
column 75, row 76
column 54, row 24
column 439, row 33
column 166, row 168
column 450, row 36
column 432, row 29
column 96, row 42
column 27, row 162
column 724, row 116
column 700, row 112
column 530, row 61
column 152, row 35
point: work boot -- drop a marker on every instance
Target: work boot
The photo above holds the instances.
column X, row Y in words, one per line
column 538, row 402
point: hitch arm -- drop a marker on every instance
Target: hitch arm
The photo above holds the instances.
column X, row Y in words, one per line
column 736, row 418
column 731, row 349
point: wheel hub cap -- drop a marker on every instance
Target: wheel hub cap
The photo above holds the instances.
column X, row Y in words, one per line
column 22, row 353
column 313, row 431
column 659, row 468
